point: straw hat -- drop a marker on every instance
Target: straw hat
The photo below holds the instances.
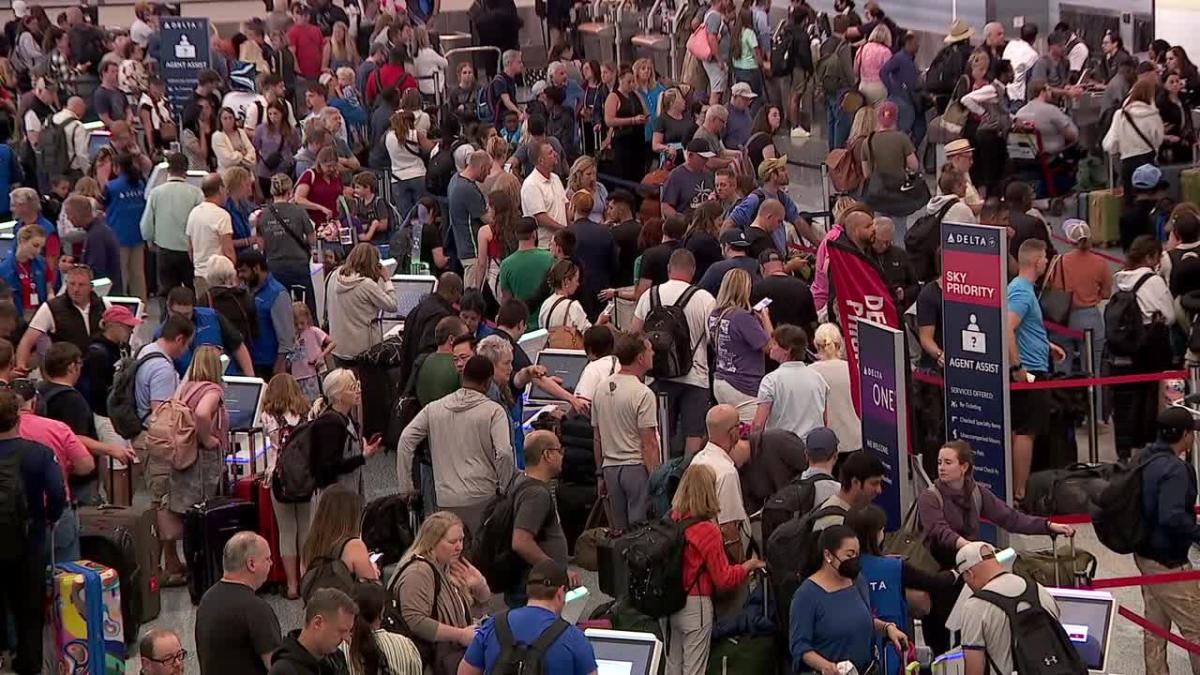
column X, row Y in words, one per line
column 959, row 31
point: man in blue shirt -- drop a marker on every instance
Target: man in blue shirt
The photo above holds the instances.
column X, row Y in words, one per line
column 568, row 654
column 276, row 338
column 1029, row 350
column 23, row 564
column 773, row 177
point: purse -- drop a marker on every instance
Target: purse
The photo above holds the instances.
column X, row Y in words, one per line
column 1056, row 302
column 949, row 125
column 909, row 543
column 697, row 43
column 891, row 199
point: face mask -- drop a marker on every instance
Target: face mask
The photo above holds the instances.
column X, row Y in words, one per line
column 850, row 568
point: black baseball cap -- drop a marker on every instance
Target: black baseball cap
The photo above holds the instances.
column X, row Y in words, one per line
column 697, row 146
column 549, row 574
column 735, row 238
column 1176, row 418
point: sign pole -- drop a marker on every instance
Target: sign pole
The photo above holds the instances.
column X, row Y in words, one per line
column 881, row 371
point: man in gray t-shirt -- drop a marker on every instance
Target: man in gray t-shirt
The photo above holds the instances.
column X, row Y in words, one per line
column 537, row 531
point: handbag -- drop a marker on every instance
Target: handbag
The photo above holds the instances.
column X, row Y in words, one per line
column 949, row 125
column 890, row 198
column 1056, row 302
column 697, row 43
column 909, row 543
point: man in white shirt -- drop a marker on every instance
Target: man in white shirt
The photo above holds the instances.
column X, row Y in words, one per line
column 724, row 437
column 1077, row 49
column 687, row 395
column 543, row 197
column 1021, row 54
column 598, row 344
column 209, row 230
column 793, row 396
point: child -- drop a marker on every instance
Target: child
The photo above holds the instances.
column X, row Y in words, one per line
column 313, row 346
column 511, row 131
column 370, row 210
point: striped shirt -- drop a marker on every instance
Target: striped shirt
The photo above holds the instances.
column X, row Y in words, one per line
column 398, row 652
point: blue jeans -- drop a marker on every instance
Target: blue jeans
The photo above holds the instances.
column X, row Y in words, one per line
column 1083, row 318
column 65, row 542
column 406, row 194
column 837, row 121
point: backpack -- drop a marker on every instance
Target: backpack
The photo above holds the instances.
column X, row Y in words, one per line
column 491, row 549
column 1117, row 511
column 791, row 501
column 441, row 169
column 666, row 326
column 53, row 151
column 171, row 428
column 830, row 75
column 406, row 408
column 122, row 400
column 406, row 81
column 1040, row 645
column 782, row 57
column 520, row 658
column 387, row 528
column 944, row 71
column 664, row 481
column 845, row 171
column 293, row 481
column 14, row 507
column 1124, row 332
column 923, row 240
column 792, row 555
column 653, row 556
column 563, row 336
column 236, row 305
column 327, row 571
column 485, row 107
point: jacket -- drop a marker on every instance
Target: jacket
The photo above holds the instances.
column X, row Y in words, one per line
column 959, row 213
column 10, row 273
column 1168, row 493
column 1123, row 138
column 956, row 517
column 1153, row 297
column 355, row 304
column 471, row 445
column 293, row 659
column 333, row 452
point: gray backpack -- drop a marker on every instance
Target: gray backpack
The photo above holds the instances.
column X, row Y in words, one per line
column 53, row 154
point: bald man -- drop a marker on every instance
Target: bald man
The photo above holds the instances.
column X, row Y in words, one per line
column 859, row 230
column 237, row 631
column 724, row 452
column 537, row 532
column 761, row 232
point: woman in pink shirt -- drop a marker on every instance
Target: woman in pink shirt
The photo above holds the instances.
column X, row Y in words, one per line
column 869, row 62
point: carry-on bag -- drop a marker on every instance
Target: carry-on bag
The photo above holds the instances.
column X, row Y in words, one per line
column 85, row 627
column 122, row 537
column 207, row 527
column 255, row 488
column 1072, row 568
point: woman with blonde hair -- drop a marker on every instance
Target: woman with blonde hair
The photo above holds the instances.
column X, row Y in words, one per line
column 340, row 50
column 240, row 203
column 284, row 408
column 357, row 293
column 741, row 337
column 406, row 145
column 202, row 391
column 339, row 450
column 645, row 81
column 706, row 570
column 440, row 623
column 429, row 67
column 583, row 177
column 673, row 127
column 831, row 364
column 335, row 534
column 870, row 60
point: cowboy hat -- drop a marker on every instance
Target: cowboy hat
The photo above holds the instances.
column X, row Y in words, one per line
column 959, row 31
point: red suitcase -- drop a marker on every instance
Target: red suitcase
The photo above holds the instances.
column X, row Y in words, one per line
column 253, row 488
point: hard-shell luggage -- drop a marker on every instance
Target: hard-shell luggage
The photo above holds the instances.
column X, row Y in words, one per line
column 1190, row 180
column 122, row 537
column 207, row 527
column 1071, row 568
column 1104, row 215
column 254, row 488
column 85, row 619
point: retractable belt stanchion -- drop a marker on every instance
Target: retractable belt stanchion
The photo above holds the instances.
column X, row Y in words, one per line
column 1194, row 389
column 1089, row 361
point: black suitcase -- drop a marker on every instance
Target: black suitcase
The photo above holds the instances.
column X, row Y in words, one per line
column 207, row 527
column 613, row 573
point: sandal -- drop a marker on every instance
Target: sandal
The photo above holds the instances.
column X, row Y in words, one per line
column 173, row 580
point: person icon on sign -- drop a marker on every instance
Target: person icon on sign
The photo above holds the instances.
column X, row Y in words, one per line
column 973, row 339
column 185, row 49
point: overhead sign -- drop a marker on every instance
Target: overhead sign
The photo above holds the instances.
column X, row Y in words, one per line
column 881, row 372
column 183, row 53
column 974, row 309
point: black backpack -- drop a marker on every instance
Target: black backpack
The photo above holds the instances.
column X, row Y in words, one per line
column 945, row 69
column 1040, row 645
column 387, row 528
column 491, row 547
column 441, row 170
column 327, row 571
column 653, row 556
column 791, row 501
column 293, row 481
column 14, row 508
column 793, row 555
column 518, row 658
column 666, row 327
column 122, row 399
column 1117, row 513
column 923, row 240
column 1124, row 331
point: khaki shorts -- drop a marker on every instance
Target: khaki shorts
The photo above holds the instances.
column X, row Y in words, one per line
column 800, row 82
column 158, row 475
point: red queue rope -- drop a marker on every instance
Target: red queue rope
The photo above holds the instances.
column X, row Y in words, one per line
column 1067, row 383
column 1155, row 629
column 1062, row 330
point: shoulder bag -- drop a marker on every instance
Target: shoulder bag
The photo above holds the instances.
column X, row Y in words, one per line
column 1056, row 302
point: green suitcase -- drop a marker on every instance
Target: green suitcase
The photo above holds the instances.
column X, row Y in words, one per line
column 1104, row 216
column 1190, row 178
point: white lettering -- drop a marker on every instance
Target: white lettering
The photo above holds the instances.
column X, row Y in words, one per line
column 883, row 397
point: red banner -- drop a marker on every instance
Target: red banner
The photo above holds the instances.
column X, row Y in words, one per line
column 859, row 292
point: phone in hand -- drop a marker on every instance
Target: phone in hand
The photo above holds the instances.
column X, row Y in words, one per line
column 374, row 438
column 762, row 304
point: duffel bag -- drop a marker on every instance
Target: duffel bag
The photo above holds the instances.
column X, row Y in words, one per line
column 1069, row 568
column 1060, row 492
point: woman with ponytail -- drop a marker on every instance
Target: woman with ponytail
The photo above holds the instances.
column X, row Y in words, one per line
column 372, row 650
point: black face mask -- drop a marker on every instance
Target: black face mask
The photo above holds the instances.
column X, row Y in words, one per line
column 850, row 568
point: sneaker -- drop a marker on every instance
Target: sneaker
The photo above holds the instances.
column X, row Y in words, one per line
column 800, row 132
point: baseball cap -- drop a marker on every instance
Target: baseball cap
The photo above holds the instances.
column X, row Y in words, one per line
column 742, row 89
column 770, row 256
column 20, row 8
column 735, row 238
column 821, row 443
column 697, row 146
column 1148, row 177
column 1177, row 419
column 972, row 554
column 1076, row 229
column 771, row 165
column 550, row 574
column 121, row 315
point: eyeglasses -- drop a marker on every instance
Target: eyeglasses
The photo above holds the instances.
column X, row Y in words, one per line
column 178, row 657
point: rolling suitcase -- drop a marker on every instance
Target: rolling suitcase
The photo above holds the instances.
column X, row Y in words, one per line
column 207, row 527
column 255, row 489
column 1072, row 568
column 1104, row 210
column 122, row 537
column 1190, row 181
column 88, row 636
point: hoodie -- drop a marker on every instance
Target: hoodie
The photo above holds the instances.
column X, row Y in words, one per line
column 959, row 213
column 356, row 301
column 471, row 444
column 1123, row 138
column 1168, row 493
column 293, row 659
column 1153, row 296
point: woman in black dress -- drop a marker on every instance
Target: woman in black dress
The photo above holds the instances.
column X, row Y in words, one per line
column 625, row 116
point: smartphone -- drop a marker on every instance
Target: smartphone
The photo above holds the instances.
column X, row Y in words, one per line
column 762, row 304
column 375, row 438
column 375, row 558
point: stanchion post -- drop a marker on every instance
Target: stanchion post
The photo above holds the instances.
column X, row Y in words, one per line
column 1194, row 388
column 1089, row 361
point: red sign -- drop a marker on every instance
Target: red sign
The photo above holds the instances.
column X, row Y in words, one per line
column 859, row 292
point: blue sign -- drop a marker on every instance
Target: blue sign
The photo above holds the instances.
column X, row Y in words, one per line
column 183, row 54
column 881, row 372
column 974, row 309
